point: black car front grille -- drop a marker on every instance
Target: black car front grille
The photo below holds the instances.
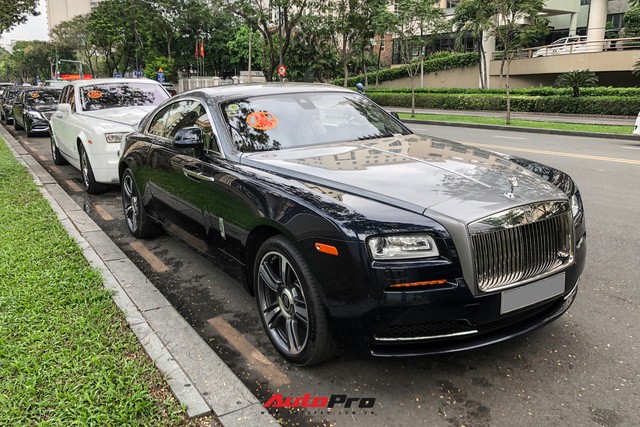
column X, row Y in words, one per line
column 429, row 329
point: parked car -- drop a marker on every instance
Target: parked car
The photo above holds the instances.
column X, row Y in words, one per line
column 170, row 88
column 636, row 127
column 3, row 86
column 6, row 103
column 563, row 46
column 354, row 234
column 33, row 108
column 91, row 119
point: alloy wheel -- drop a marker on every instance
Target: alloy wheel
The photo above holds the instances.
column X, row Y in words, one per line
column 130, row 201
column 283, row 305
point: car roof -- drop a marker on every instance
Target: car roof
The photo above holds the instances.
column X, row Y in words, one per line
column 90, row 82
column 261, row 89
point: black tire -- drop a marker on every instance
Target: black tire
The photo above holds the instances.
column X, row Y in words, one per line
column 90, row 183
column 138, row 222
column 55, row 153
column 289, row 304
column 27, row 128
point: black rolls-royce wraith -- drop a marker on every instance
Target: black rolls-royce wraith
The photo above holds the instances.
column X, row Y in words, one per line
column 354, row 234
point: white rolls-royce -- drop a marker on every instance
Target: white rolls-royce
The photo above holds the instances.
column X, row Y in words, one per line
column 91, row 119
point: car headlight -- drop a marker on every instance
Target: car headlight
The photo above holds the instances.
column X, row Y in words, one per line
column 34, row 115
column 115, row 137
column 402, row 246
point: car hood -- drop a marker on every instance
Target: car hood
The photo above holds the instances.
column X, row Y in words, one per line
column 124, row 115
column 416, row 173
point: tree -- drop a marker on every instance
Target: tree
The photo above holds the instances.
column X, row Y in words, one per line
column 33, row 58
column 515, row 25
column 577, row 79
column 352, row 27
column 415, row 20
column 632, row 21
column 239, row 48
column 312, row 55
column 383, row 22
column 14, row 12
column 260, row 15
column 75, row 35
column 475, row 17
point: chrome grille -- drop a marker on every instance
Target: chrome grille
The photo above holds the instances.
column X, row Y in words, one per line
column 521, row 244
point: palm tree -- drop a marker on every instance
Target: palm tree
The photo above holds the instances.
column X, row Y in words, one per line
column 577, row 79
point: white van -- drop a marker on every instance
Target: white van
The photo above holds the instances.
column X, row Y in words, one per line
column 563, row 46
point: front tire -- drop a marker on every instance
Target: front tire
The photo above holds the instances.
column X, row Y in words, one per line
column 289, row 304
column 55, row 153
column 138, row 222
column 27, row 128
column 90, row 183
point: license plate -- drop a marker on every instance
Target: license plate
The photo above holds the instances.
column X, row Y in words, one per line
column 515, row 299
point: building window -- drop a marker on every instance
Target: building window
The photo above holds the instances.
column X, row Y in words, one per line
column 452, row 3
column 616, row 20
column 585, row 2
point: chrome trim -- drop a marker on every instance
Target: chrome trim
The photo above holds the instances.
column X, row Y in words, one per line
column 520, row 215
column 522, row 245
column 431, row 337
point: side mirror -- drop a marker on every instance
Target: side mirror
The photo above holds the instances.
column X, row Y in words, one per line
column 64, row 109
column 190, row 137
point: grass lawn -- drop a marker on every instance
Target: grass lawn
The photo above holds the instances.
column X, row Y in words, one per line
column 67, row 357
column 619, row 130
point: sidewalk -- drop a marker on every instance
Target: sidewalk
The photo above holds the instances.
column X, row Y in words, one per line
column 198, row 378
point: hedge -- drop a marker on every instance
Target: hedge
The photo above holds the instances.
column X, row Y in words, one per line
column 436, row 63
column 533, row 91
column 607, row 105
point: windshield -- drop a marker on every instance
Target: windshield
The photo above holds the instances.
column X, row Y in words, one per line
column 11, row 94
column 113, row 95
column 42, row 97
column 302, row 119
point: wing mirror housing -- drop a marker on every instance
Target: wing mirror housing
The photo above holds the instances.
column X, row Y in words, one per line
column 189, row 137
column 64, row 108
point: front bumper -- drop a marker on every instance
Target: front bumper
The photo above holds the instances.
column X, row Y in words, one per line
column 445, row 318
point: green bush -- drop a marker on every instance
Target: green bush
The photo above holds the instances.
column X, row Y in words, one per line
column 534, row 91
column 436, row 62
column 607, row 105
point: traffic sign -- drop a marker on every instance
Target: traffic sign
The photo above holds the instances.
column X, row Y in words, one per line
column 160, row 77
column 282, row 70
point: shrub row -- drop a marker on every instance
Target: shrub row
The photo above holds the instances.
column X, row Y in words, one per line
column 534, row 91
column 436, row 63
column 607, row 105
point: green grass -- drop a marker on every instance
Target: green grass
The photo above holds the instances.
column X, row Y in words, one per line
column 67, row 357
column 618, row 130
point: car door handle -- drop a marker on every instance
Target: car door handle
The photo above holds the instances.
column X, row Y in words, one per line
column 194, row 174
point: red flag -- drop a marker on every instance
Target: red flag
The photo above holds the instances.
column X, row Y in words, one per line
column 196, row 48
column 202, row 48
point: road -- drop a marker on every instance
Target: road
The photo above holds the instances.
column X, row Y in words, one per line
column 582, row 370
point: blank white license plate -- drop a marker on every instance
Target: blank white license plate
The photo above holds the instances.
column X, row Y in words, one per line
column 532, row 293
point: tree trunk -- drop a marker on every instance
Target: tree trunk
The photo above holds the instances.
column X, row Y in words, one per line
column 345, row 61
column 364, row 70
column 483, row 63
column 508, row 94
column 413, row 96
column 378, row 67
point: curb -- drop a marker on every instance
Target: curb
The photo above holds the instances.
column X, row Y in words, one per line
column 522, row 129
column 198, row 378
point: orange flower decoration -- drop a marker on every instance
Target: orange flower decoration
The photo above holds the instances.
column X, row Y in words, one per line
column 262, row 120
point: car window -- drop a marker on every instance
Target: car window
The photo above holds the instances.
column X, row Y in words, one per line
column 559, row 41
column 158, row 123
column 112, row 95
column 41, row 97
column 294, row 120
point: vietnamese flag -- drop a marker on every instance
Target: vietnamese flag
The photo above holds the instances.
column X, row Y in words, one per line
column 196, row 48
column 201, row 48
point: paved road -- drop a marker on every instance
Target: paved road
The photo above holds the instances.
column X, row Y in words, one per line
column 582, row 370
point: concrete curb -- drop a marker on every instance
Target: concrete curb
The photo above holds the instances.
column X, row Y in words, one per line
column 199, row 379
column 521, row 129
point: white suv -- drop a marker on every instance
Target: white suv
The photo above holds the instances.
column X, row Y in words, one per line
column 91, row 119
column 563, row 46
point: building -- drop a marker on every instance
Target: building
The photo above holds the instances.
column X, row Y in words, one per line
column 63, row 10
